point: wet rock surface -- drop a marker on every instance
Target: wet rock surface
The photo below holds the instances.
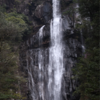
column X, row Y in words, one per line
column 40, row 13
column 44, row 12
column 72, row 50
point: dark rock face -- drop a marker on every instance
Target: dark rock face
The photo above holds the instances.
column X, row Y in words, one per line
column 72, row 50
column 44, row 12
column 47, row 11
column 40, row 12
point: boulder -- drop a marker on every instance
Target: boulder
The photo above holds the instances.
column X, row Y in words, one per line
column 44, row 12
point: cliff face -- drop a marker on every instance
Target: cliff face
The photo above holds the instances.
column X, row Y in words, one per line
column 39, row 13
column 72, row 50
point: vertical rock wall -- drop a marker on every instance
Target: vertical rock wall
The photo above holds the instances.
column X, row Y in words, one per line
column 72, row 50
column 40, row 12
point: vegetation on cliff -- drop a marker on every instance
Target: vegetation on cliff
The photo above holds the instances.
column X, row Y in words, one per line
column 88, row 68
column 12, row 28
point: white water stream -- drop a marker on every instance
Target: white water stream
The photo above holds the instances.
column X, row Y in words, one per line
column 55, row 68
column 51, row 89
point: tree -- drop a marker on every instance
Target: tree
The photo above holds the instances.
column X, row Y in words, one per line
column 12, row 28
column 87, row 70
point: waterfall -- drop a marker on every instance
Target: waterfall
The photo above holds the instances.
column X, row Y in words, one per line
column 45, row 72
column 83, row 47
column 41, row 68
column 55, row 68
column 78, row 16
column 49, row 56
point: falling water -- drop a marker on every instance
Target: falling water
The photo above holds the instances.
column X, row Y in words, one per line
column 49, row 62
column 78, row 16
column 55, row 68
column 83, row 47
column 31, row 64
column 46, row 83
column 41, row 69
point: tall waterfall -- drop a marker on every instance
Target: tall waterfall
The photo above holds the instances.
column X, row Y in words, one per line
column 55, row 68
column 50, row 55
column 50, row 66
column 41, row 69
column 45, row 66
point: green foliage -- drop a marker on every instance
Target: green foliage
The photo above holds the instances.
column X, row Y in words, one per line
column 2, row 9
column 8, row 68
column 8, row 30
column 18, row 20
column 12, row 28
column 18, row 1
column 87, row 70
column 88, row 8
column 10, row 95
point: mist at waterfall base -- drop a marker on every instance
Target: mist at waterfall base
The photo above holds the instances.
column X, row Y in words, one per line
column 49, row 68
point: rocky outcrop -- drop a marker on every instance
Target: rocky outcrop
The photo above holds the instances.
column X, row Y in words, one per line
column 39, row 13
column 72, row 50
column 44, row 12
column 65, row 3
